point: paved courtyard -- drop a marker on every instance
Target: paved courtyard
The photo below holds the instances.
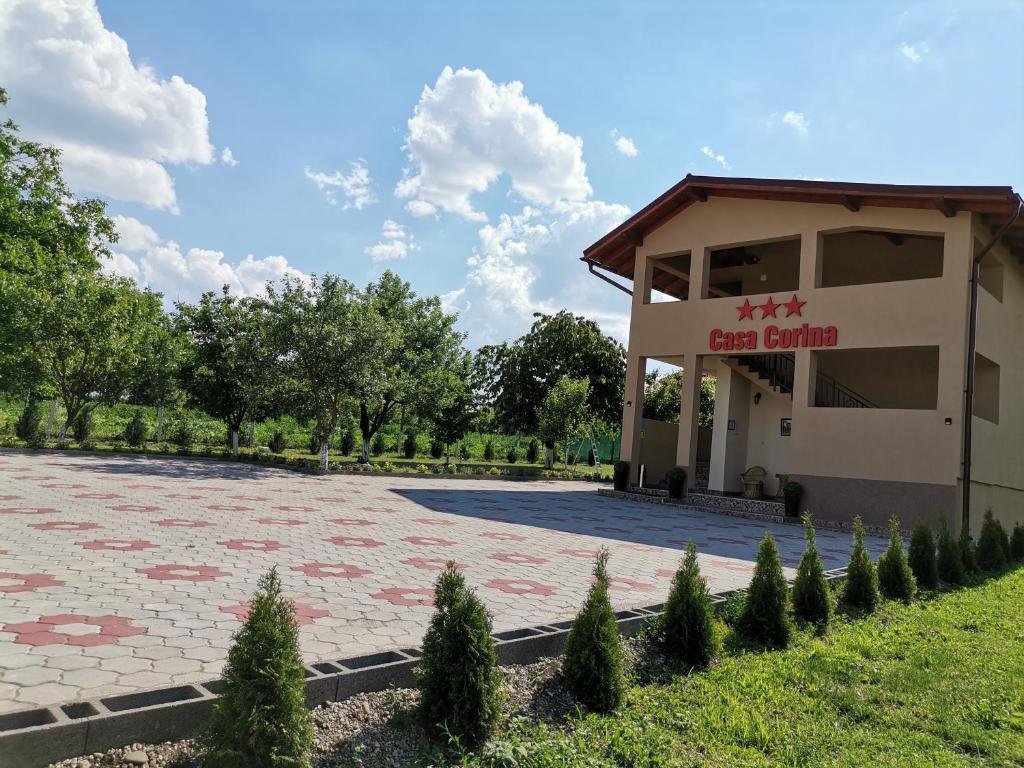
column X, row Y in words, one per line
column 124, row 573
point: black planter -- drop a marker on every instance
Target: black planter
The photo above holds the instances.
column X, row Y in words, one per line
column 676, row 485
column 792, row 504
column 620, row 478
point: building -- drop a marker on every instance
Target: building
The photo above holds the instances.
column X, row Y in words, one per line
column 836, row 320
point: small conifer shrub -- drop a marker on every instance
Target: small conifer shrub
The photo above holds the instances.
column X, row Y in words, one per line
column 459, row 679
column 921, row 556
column 436, row 449
column 949, row 566
column 27, row 427
column 377, row 446
column 991, row 551
column 532, row 451
column 967, row 551
column 513, row 455
column 463, row 452
column 594, row 668
column 261, row 720
column 82, row 426
column 409, row 446
column 277, row 442
column 1017, row 542
column 861, row 589
column 348, row 442
column 764, row 618
column 687, row 623
column 895, row 579
column 136, row 430
column 812, row 599
column 489, row 450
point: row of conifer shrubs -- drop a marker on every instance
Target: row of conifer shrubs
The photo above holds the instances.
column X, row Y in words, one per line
column 261, row 718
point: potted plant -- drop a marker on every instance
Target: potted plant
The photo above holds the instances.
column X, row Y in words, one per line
column 676, row 478
column 621, row 476
column 791, row 492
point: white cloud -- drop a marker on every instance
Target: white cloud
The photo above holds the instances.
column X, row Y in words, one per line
column 624, row 145
column 797, row 121
column 184, row 275
column 395, row 243
column 468, row 131
column 420, row 208
column 709, row 152
column 227, row 157
column 913, row 53
column 355, row 186
column 72, row 83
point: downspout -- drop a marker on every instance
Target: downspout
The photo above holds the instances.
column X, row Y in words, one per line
column 591, row 265
column 972, row 344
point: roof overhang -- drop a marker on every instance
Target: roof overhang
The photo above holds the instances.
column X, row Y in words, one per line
column 615, row 251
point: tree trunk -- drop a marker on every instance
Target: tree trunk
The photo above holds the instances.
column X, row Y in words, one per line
column 160, row 423
column 51, row 419
column 62, row 433
column 323, row 453
column 447, row 454
column 234, row 443
column 364, row 457
column 549, row 457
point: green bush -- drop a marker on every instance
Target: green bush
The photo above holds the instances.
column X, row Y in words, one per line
column 513, row 455
column 136, row 430
column 313, row 446
column 409, row 446
column 948, row 565
column 83, row 425
column 992, row 544
column 532, row 451
column 861, row 589
column 1017, row 542
column 921, row 556
column 183, row 432
column 489, row 450
column 812, row 599
column 348, row 442
column 463, row 451
column 594, row 668
column 967, row 551
column 28, row 427
column 458, row 675
column 895, row 579
column 261, row 720
column 764, row 619
column 377, row 446
column 436, row 449
column 687, row 624
column 277, row 442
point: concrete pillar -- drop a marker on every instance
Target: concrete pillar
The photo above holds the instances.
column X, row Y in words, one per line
column 699, row 273
column 729, row 447
column 810, row 260
column 689, row 411
column 632, row 414
column 805, row 375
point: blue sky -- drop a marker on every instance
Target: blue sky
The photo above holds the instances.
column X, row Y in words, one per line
column 500, row 186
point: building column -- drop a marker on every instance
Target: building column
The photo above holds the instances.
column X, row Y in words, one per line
column 805, row 376
column 689, row 412
column 810, row 260
column 632, row 414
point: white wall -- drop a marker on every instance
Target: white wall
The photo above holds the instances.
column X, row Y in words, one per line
column 765, row 445
column 729, row 449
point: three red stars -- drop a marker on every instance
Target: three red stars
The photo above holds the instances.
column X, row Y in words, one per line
column 769, row 308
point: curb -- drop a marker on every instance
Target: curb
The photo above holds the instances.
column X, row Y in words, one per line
column 37, row 737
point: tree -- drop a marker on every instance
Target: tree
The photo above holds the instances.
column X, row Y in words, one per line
column 895, row 579
column 261, row 720
column 949, row 563
column 664, row 394
column 453, row 414
column 515, row 378
column 992, row 544
column 764, row 617
column 563, row 415
column 921, row 556
column 231, row 371
column 687, row 623
column 328, row 342
column 812, row 601
column 861, row 590
column 416, row 350
column 156, row 379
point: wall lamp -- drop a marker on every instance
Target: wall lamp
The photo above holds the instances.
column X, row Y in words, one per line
column 757, row 398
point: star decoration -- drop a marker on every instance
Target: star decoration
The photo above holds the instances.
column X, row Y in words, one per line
column 793, row 307
column 747, row 310
column 769, row 308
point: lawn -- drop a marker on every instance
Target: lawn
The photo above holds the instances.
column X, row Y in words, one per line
column 936, row 683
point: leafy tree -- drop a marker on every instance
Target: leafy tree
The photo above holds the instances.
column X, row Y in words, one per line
column 764, row 617
column 594, row 668
column 261, row 720
column 232, row 370
column 949, row 565
column 416, row 351
column 459, row 679
column 156, row 378
column 563, row 415
column 687, row 623
column 895, row 579
column 861, row 590
column 409, row 449
column 452, row 414
column 812, row 600
column 992, row 545
column 664, row 394
column 532, row 451
column 921, row 557
column 515, row 378
column 136, row 430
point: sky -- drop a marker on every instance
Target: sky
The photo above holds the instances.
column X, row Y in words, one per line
column 477, row 148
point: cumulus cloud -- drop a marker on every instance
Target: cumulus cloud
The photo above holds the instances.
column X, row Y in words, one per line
column 355, row 187
column 624, row 145
column 72, row 83
column 718, row 158
column 179, row 274
column 467, row 131
column 395, row 243
column 797, row 121
column 227, row 157
column 913, row 53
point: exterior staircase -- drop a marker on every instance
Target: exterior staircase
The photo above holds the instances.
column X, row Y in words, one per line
column 778, row 371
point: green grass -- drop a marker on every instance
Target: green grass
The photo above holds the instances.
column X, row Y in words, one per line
column 934, row 683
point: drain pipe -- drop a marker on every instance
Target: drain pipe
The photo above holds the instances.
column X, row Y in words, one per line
column 972, row 344
column 591, row 265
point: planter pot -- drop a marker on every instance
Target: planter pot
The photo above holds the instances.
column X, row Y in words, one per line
column 792, row 504
column 621, row 476
column 677, row 486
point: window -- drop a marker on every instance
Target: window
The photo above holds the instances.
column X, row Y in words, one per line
column 991, row 275
column 864, row 256
column 748, row 270
column 986, row 389
column 883, row 377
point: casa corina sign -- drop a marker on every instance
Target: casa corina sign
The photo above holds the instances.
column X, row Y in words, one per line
column 773, row 336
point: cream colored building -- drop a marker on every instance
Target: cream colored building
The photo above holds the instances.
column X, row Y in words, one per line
column 835, row 318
